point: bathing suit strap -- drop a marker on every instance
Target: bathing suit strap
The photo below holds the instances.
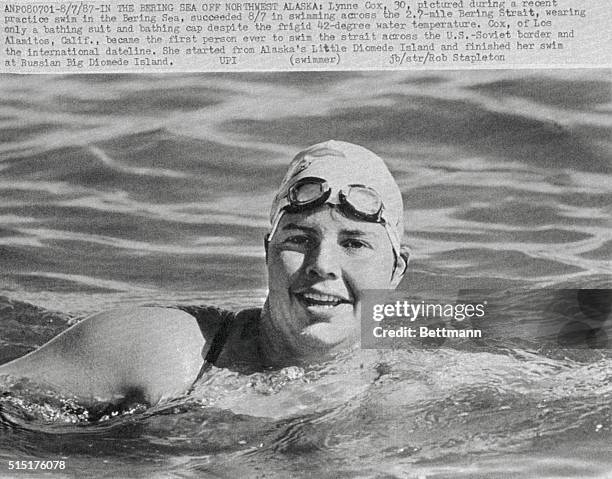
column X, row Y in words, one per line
column 245, row 322
column 220, row 338
column 216, row 346
column 210, row 317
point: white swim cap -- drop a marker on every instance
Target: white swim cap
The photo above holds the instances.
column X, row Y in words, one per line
column 342, row 164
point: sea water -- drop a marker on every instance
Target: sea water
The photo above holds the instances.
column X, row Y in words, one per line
column 119, row 190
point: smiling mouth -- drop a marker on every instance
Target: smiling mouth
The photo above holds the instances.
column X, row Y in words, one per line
column 320, row 301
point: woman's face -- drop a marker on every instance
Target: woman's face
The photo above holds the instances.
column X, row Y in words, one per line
column 319, row 262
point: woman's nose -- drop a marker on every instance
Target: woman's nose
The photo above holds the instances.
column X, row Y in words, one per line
column 323, row 262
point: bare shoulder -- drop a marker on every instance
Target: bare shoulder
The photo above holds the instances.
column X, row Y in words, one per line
column 154, row 351
column 136, row 331
column 144, row 325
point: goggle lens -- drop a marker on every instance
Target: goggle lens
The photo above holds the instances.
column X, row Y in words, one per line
column 307, row 193
column 364, row 199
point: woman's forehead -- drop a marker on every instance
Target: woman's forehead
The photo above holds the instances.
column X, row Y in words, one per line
column 327, row 220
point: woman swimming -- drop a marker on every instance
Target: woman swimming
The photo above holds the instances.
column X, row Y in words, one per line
column 336, row 228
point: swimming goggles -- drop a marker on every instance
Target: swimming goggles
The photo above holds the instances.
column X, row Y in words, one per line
column 355, row 200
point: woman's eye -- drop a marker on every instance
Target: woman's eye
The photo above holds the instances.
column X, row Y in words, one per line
column 298, row 240
column 355, row 244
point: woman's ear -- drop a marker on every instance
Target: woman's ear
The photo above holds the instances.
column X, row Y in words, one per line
column 401, row 264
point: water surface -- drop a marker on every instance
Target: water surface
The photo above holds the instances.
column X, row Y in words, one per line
column 119, row 190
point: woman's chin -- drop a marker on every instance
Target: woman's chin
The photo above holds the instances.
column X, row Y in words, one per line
column 329, row 335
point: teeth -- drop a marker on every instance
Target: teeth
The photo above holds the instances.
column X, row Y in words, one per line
column 323, row 298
